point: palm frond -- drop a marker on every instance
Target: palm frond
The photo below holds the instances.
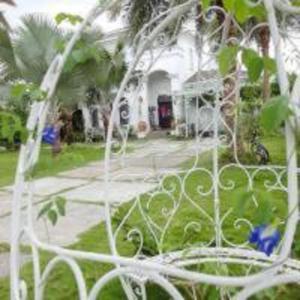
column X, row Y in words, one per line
column 71, row 88
column 35, row 45
column 8, row 67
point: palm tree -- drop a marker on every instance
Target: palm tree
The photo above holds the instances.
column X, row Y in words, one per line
column 264, row 40
column 28, row 53
column 107, row 76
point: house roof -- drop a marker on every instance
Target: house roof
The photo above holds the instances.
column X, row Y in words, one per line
column 203, row 75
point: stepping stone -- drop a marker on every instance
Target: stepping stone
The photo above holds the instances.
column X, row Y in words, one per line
column 119, row 192
column 140, row 173
column 84, row 172
column 158, row 162
column 79, row 218
column 114, row 165
column 132, row 174
column 52, row 185
column 6, row 204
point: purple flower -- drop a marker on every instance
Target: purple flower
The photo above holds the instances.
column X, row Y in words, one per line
column 265, row 237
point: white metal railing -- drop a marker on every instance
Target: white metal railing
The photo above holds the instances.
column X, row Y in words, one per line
column 138, row 269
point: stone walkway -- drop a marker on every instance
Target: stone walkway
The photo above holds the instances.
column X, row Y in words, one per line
column 84, row 189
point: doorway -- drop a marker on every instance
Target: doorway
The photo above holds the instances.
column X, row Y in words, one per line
column 165, row 111
column 158, row 91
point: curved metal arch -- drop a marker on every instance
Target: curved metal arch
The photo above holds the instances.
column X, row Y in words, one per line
column 139, row 54
column 153, row 277
column 271, row 282
column 49, row 84
column 167, row 270
column 82, row 290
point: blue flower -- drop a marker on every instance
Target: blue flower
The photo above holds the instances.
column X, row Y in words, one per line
column 265, row 237
column 50, row 134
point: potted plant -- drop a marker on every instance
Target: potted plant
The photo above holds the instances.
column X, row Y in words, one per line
column 142, row 129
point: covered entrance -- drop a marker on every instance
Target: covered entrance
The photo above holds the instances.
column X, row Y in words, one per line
column 165, row 111
column 159, row 99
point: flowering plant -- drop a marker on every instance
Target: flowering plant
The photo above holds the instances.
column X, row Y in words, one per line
column 266, row 238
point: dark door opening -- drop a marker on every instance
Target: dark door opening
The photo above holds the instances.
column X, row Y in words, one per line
column 165, row 111
column 78, row 121
column 124, row 112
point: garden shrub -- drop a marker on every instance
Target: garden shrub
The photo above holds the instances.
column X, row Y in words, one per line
column 12, row 132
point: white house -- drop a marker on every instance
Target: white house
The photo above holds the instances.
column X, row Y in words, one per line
column 166, row 95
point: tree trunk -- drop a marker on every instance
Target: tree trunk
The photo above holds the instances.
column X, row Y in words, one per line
column 87, row 119
column 264, row 39
column 232, row 98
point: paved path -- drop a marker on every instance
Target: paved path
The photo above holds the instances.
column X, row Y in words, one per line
column 84, row 189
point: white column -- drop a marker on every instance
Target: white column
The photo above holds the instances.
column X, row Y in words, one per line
column 176, row 98
column 86, row 117
column 143, row 104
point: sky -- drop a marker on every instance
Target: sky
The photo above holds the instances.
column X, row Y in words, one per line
column 81, row 7
column 53, row 7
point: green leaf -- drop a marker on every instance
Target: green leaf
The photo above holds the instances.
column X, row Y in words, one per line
column 71, row 18
column 44, row 210
column 34, row 92
column 242, row 11
column 295, row 2
column 38, row 94
column 274, row 113
column 59, row 18
column 79, row 55
column 70, row 64
column 60, row 203
column 229, row 5
column 242, row 202
column 60, row 46
column 258, row 12
column 270, row 64
column 206, row 4
column 255, row 69
column 253, row 63
column 18, row 90
column 227, row 59
column 52, row 216
column 248, row 55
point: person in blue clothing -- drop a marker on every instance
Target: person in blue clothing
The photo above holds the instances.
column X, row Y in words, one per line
column 51, row 136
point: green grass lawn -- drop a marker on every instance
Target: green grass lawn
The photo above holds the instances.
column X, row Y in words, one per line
column 61, row 284
column 71, row 157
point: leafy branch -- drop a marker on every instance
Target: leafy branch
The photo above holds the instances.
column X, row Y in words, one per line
column 70, row 18
column 53, row 210
column 31, row 90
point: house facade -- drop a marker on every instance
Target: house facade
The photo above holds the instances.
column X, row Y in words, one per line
column 163, row 98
